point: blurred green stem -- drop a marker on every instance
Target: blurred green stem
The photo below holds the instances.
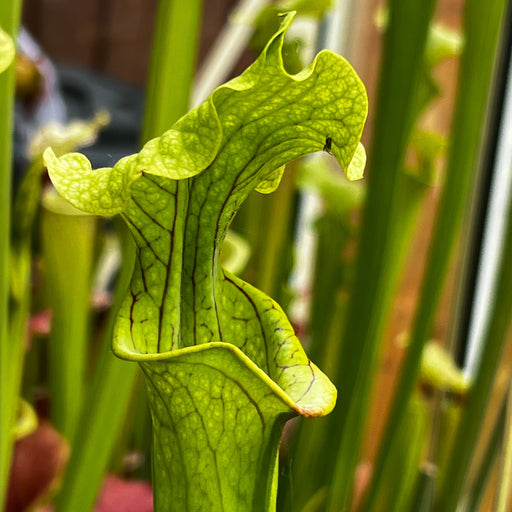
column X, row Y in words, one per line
column 173, row 61
column 472, row 415
column 477, row 490
column 506, row 464
column 269, row 264
column 401, row 69
column 68, row 272
column 104, row 407
column 424, row 492
column 11, row 354
column 404, row 483
column 482, row 23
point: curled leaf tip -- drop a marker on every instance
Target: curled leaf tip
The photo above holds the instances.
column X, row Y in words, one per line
column 103, row 191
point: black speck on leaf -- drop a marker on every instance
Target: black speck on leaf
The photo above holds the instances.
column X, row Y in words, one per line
column 328, row 145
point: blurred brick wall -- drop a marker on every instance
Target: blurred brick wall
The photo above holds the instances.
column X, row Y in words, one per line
column 110, row 36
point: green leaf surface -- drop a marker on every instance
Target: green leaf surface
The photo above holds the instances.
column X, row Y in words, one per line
column 227, row 422
column 224, row 365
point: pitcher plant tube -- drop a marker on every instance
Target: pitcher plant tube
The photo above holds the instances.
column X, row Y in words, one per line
column 224, row 369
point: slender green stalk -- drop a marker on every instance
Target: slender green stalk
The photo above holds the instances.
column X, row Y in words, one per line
column 104, row 408
column 479, row 486
column 275, row 268
column 307, row 486
column 482, row 23
column 268, row 268
column 506, row 469
column 446, row 430
column 403, row 482
column 25, row 209
column 68, row 273
column 424, row 492
column 478, row 396
column 138, row 439
column 172, row 64
column 10, row 365
column 401, row 70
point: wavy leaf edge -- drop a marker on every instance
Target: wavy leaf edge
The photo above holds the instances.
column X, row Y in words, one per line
column 115, row 182
column 309, row 410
